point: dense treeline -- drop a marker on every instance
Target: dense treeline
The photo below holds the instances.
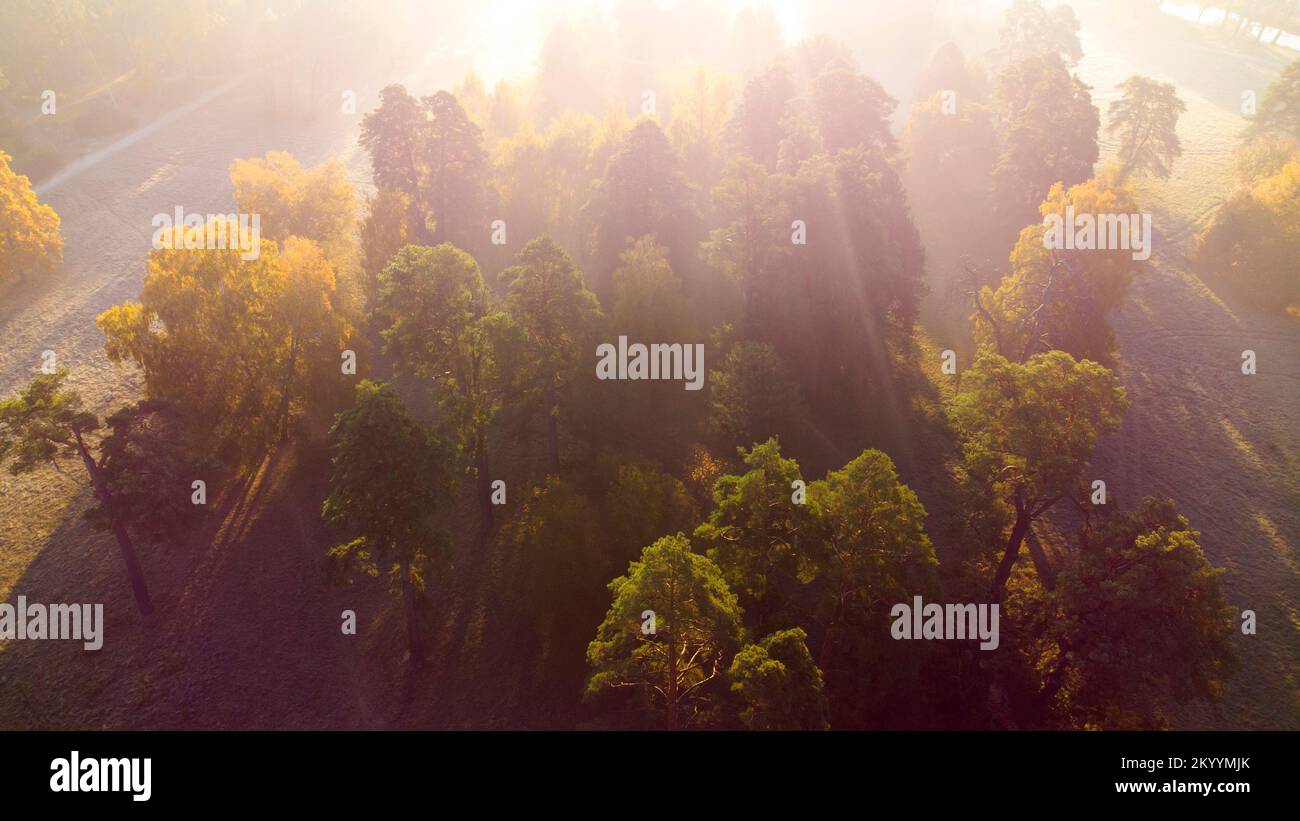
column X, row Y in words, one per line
column 661, row 552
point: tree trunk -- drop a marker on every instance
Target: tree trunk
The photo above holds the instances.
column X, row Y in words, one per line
column 672, row 686
column 553, row 429
column 1043, row 566
column 283, row 415
column 1009, row 557
column 133, row 571
column 484, row 481
column 824, row 656
column 1056, row 679
column 408, row 607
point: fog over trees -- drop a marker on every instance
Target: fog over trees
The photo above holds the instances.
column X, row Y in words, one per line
column 917, row 360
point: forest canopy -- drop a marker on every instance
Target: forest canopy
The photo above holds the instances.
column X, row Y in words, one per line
column 639, row 391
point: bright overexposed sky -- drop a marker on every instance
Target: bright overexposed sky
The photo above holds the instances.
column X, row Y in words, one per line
column 506, row 36
column 789, row 15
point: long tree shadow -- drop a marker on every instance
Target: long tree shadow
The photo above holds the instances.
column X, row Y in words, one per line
column 1221, row 444
column 246, row 634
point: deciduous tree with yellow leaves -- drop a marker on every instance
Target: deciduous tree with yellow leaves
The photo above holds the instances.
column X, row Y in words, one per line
column 227, row 339
column 29, row 229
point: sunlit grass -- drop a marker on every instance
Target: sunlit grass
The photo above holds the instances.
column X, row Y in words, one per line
column 33, row 509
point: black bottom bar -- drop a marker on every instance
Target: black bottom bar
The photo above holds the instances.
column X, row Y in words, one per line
column 374, row 770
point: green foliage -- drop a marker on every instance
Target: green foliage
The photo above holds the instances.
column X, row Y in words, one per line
column 751, row 248
column 951, row 159
column 752, row 396
column 1137, row 621
column 1146, row 119
column 1279, row 109
column 851, row 110
column 758, row 536
column 1048, row 133
column 429, row 299
column 949, row 70
column 453, row 188
column 435, row 318
column 874, row 549
column 557, row 318
column 774, row 613
column 779, row 685
column 1028, row 429
column 869, row 265
column 544, row 178
column 1029, row 30
column 42, row 423
column 850, row 292
column 873, row 552
column 389, row 483
column 391, row 135
column 642, row 192
column 648, row 298
column 437, row 324
column 547, row 297
column 654, row 420
column 45, row 422
column 756, row 123
column 835, row 563
column 385, row 230
column 560, row 560
column 643, row 503
column 697, row 628
column 433, row 153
